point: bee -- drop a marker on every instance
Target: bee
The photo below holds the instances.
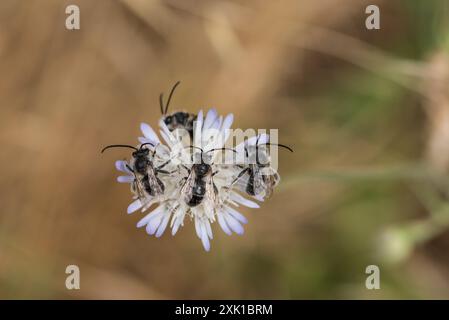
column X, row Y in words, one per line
column 146, row 182
column 179, row 119
column 261, row 177
column 198, row 186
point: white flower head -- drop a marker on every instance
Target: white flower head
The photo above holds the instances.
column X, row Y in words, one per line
column 175, row 158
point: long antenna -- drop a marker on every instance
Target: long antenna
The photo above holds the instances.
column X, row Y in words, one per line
column 202, row 151
column 171, row 94
column 118, row 146
column 215, row 149
column 143, row 144
column 161, row 103
column 257, row 149
column 195, row 148
column 277, row 144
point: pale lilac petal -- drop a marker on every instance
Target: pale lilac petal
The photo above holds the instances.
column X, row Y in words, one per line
column 224, row 225
column 239, row 199
column 148, row 132
column 143, row 140
column 198, row 228
column 164, row 127
column 198, row 129
column 227, row 123
column 125, row 179
column 259, row 197
column 120, row 165
column 226, row 134
column 154, row 223
column 163, row 225
column 234, row 224
column 209, row 229
column 136, row 205
column 166, row 138
column 211, row 116
column 150, row 216
column 178, row 219
column 217, row 123
column 176, row 226
column 263, row 138
column 240, row 217
column 205, row 238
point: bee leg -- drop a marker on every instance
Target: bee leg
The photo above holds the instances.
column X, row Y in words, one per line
column 188, row 170
column 164, row 164
column 165, row 171
column 183, row 181
column 213, row 174
column 240, row 175
column 129, row 168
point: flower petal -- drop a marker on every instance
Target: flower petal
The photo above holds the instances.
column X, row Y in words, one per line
column 234, row 224
column 205, row 238
column 211, row 116
column 148, row 132
column 176, row 226
column 240, row 217
column 150, row 216
column 217, row 123
column 167, row 138
column 198, row 228
column 143, row 140
column 239, row 199
column 163, row 225
column 198, row 129
column 263, row 138
column 208, row 229
column 120, row 165
column 134, row 206
column 125, row 179
column 154, row 223
column 227, row 123
column 223, row 224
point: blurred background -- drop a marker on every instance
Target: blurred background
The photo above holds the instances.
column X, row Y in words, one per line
column 367, row 112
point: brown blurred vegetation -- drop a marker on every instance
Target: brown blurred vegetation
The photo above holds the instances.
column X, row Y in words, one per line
column 367, row 113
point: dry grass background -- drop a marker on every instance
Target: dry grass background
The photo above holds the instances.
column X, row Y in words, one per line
column 352, row 103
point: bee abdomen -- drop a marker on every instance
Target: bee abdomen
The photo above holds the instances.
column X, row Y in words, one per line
column 250, row 188
column 195, row 200
column 198, row 193
column 147, row 186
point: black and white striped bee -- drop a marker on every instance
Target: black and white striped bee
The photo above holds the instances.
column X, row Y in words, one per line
column 198, row 187
column 179, row 119
column 146, row 182
column 261, row 178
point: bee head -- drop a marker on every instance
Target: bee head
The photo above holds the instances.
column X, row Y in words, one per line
column 141, row 153
column 201, row 155
column 181, row 117
column 252, row 151
column 168, row 120
column 202, row 169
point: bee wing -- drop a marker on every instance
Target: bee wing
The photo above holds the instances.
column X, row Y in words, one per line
column 271, row 176
column 154, row 183
column 258, row 181
column 138, row 188
column 271, row 179
column 210, row 199
column 187, row 187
